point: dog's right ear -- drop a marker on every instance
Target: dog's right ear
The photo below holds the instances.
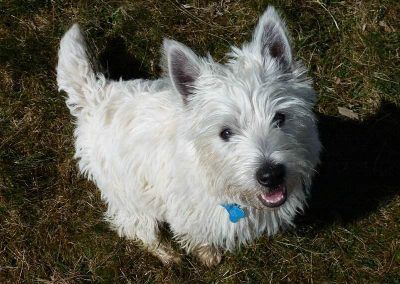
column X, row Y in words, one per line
column 183, row 67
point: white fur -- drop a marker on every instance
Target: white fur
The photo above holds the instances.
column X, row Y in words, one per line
column 155, row 153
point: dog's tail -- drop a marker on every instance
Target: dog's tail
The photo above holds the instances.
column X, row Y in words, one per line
column 75, row 74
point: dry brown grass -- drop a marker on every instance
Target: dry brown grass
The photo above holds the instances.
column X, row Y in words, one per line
column 51, row 227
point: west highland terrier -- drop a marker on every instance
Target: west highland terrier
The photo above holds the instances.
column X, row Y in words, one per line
column 220, row 152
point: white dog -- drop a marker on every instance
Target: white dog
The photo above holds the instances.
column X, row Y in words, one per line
column 220, row 152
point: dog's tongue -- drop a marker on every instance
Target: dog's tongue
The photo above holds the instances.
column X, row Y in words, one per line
column 275, row 197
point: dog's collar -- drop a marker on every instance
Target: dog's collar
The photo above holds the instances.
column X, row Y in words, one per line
column 235, row 212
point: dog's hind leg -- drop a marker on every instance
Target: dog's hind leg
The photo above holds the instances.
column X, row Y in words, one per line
column 145, row 229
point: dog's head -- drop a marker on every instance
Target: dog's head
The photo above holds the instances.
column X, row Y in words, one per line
column 250, row 120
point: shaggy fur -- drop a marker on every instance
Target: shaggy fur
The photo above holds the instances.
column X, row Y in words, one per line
column 155, row 151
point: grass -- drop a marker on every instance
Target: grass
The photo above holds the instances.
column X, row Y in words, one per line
column 51, row 227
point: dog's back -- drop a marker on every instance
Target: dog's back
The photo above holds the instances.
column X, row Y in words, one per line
column 121, row 127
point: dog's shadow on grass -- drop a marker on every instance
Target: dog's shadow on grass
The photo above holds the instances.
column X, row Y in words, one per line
column 118, row 63
column 360, row 167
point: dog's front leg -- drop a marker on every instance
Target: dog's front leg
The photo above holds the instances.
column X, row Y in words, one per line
column 207, row 254
column 144, row 230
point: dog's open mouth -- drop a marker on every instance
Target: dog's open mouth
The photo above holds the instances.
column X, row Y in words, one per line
column 274, row 197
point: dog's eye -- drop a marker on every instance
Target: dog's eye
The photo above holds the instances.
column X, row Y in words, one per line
column 279, row 119
column 225, row 134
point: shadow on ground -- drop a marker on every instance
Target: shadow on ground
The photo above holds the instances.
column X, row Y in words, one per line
column 119, row 63
column 360, row 167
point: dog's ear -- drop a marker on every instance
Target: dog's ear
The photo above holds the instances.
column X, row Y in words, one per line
column 270, row 38
column 183, row 66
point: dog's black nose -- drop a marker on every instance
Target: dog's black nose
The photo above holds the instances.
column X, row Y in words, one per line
column 271, row 175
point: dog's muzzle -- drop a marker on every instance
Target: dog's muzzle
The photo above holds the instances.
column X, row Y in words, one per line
column 272, row 176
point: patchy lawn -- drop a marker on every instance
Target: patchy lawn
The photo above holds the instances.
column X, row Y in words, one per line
column 51, row 227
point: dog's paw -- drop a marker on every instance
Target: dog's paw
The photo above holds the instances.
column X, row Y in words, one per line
column 166, row 254
column 208, row 255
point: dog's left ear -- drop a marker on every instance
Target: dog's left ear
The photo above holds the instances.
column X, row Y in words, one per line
column 183, row 66
column 270, row 38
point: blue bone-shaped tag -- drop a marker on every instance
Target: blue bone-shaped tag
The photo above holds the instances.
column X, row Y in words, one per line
column 235, row 212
